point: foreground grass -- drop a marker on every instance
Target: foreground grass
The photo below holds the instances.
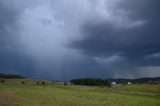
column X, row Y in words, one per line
column 13, row 93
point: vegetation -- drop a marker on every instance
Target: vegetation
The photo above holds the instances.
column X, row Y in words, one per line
column 137, row 81
column 90, row 82
column 11, row 76
column 2, row 80
column 43, row 83
column 37, row 82
column 22, row 82
column 65, row 83
column 12, row 93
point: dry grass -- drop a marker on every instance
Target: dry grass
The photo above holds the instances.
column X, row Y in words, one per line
column 8, row 98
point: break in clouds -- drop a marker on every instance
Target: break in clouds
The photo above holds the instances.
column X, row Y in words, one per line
column 59, row 39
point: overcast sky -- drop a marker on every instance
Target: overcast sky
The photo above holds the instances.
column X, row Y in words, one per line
column 65, row 39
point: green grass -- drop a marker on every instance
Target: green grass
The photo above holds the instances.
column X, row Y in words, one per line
column 13, row 93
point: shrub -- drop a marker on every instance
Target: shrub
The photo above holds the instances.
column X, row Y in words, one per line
column 43, row 83
column 53, row 82
column 124, row 83
column 22, row 82
column 37, row 82
column 2, row 81
column 109, row 85
column 65, row 83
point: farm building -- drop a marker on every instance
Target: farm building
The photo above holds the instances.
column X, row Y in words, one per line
column 113, row 83
column 129, row 83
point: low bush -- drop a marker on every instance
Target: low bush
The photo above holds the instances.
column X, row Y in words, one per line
column 43, row 83
column 2, row 80
column 22, row 82
column 65, row 83
column 37, row 82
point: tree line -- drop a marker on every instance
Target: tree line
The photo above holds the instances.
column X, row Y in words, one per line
column 11, row 76
column 90, row 82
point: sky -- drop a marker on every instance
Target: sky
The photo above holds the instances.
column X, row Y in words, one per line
column 67, row 39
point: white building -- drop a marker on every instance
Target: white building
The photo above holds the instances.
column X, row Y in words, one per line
column 113, row 83
column 129, row 83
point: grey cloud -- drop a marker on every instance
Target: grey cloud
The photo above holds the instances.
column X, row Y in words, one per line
column 8, row 18
column 45, row 21
column 134, row 44
column 71, row 39
column 12, row 55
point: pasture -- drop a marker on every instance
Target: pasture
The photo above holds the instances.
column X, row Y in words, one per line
column 18, row 92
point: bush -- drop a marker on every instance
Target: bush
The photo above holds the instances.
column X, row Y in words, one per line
column 22, row 82
column 65, row 83
column 2, row 81
column 124, row 83
column 43, row 83
column 53, row 82
column 37, row 82
column 109, row 85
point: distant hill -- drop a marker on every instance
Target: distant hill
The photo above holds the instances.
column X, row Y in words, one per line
column 139, row 80
column 11, row 76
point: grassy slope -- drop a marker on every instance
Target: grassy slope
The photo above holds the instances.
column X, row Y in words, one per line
column 13, row 93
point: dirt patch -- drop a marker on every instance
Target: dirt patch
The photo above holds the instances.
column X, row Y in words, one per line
column 7, row 98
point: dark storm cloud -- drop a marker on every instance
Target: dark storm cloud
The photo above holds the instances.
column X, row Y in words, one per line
column 106, row 38
column 134, row 44
column 7, row 19
column 12, row 56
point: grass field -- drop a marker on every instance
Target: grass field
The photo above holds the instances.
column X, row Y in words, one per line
column 14, row 93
